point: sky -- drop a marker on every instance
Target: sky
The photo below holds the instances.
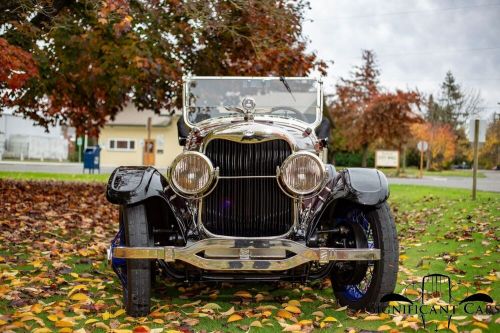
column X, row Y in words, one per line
column 416, row 42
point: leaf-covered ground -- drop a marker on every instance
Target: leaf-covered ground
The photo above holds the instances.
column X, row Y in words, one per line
column 53, row 276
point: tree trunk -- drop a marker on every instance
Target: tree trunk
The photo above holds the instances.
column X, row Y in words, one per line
column 398, row 168
column 404, row 159
column 364, row 158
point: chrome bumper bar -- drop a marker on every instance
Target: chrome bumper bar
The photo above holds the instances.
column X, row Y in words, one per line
column 250, row 254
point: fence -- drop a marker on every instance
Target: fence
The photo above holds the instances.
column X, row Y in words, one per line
column 36, row 147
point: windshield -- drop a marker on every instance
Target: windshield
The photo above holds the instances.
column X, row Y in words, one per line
column 216, row 97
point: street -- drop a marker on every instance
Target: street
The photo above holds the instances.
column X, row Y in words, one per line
column 490, row 183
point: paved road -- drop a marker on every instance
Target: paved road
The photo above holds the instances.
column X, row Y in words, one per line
column 490, row 183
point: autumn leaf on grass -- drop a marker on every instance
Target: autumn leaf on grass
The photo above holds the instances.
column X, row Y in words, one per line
column 65, row 323
column 243, row 294
column 187, row 305
column 141, row 329
column 293, row 309
column 306, row 322
column 292, row 328
column 234, row 317
column 79, row 297
column 318, row 314
column 284, row 314
column 294, row 302
column 256, row 323
column 384, row 328
column 329, row 319
column 211, row 306
column 228, row 312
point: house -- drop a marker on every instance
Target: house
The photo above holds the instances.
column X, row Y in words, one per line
column 128, row 140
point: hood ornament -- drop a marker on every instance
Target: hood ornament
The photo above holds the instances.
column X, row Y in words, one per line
column 248, row 104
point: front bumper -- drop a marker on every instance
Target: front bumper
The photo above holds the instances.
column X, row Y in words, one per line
column 247, row 255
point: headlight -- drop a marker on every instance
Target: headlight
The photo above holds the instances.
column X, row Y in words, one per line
column 191, row 173
column 302, row 173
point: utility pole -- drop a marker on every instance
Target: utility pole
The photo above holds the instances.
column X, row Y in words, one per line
column 474, row 168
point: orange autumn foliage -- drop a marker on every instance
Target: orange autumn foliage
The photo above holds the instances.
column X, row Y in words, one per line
column 441, row 139
column 16, row 68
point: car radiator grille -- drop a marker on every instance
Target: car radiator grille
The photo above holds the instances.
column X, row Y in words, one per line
column 247, row 207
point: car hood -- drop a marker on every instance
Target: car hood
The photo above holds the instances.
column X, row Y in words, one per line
column 298, row 134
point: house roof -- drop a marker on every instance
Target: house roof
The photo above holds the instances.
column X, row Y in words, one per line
column 130, row 116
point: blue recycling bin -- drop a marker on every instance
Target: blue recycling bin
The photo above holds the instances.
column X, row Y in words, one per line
column 91, row 159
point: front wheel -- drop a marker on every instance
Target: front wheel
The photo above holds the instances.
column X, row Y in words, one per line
column 137, row 294
column 361, row 285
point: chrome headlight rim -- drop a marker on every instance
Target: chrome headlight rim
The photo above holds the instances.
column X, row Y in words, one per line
column 175, row 185
column 295, row 192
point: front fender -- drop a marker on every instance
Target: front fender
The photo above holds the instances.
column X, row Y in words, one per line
column 130, row 185
column 367, row 187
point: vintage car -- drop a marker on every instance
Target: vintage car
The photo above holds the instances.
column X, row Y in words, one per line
column 250, row 199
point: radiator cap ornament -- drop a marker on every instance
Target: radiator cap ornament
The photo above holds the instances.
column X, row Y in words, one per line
column 248, row 104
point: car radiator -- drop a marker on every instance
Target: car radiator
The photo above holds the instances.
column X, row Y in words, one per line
column 247, row 207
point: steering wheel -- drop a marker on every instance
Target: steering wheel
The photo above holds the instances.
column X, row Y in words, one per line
column 296, row 113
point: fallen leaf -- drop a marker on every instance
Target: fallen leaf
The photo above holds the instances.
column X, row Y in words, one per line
column 79, row 297
column 293, row 309
column 284, row 314
column 228, row 312
column 234, row 317
column 329, row 319
column 292, row 328
column 384, row 328
column 64, row 323
column 243, row 294
column 318, row 314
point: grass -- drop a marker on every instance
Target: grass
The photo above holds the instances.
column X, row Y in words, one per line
column 413, row 172
column 440, row 230
column 49, row 176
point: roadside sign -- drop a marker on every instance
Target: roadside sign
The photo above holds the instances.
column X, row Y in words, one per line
column 79, row 141
column 481, row 133
column 422, row 146
column 387, row 158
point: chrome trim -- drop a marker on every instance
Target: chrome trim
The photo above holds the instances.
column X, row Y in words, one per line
column 261, row 133
column 248, row 260
column 242, row 177
column 319, row 101
column 279, row 174
column 213, row 173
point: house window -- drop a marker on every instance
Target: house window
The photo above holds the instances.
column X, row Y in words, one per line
column 121, row 144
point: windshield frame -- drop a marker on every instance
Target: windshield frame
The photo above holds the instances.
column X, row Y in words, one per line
column 257, row 117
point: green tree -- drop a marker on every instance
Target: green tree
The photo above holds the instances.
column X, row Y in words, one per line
column 94, row 57
column 454, row 106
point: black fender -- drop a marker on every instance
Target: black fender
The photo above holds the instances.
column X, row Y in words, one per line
column 368, row 187
column 365, row 187
column 133, row 185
